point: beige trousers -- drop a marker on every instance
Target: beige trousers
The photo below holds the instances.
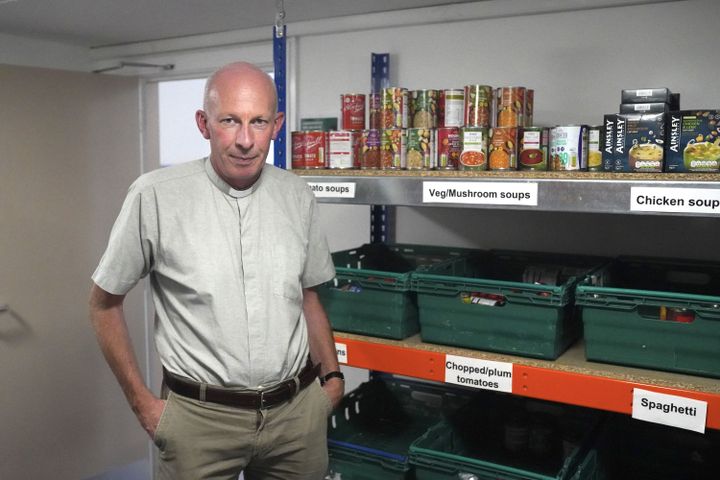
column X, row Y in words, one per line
column 201, row 440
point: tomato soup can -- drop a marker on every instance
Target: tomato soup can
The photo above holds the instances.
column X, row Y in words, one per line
column 352, row 107
column 341, row 149
column 420, row 149
column 510, row 106
column 394, row 107
column 392, row 149
column 316, row 146
column 533, row 148
column 503, row 148
column 595, row 148
column 298, row 150
column 451, row 108
column 474, row 144
column 447, row 145
column 529, row 106
column 370, row 149
column 478, row 105
column 424, row 108
column 375, row 111
column 568, row 147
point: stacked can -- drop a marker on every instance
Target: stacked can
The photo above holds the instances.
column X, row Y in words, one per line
column 569, row 147
column 298, row 150
column 375, row 111
column 451, row 108
column 474, row 144
column 448, row 147
column 478, row 105
column 370, row 149
column 533, row 148
column 393, row 149
column 424, row 108
column 529, row 107
column 344, row 149
column 510, row 106
column 595, row 147
column 352, row 107
column 420, row 149
column 394, row 107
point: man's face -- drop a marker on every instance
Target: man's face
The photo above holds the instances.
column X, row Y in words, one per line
column 240, row 122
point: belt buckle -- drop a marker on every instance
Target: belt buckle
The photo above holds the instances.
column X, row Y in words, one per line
column 262, row 399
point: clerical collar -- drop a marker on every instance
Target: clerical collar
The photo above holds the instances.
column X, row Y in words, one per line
column 223, row 186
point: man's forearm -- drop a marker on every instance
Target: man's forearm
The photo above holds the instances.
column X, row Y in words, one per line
column 322, row 343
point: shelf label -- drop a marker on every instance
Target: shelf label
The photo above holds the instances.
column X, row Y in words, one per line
column 333, row 189
column 481, row 193
column 675, row 200
column 476, row 373
column 341, row 350
column 671, row 410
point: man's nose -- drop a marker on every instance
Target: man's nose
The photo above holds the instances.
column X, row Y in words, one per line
column 244, row 138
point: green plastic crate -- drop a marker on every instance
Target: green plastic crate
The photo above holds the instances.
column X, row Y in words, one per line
column 630, row 448
column 486, row 301
column 513, row 440
column 371, row 294
column 623, row 318
column 370, row 433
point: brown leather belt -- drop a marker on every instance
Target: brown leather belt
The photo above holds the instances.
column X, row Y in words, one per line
column 255, row 400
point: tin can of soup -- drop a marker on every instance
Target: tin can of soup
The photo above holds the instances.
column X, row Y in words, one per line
column 375, row 111
column 595, row 147
column 474, row 144
column 447, row 144
column 392, row 149
column 503, row 148
column 568, row 147
column 451, row 108
column 370, row 146
column 478, row 105
column 424, row 108
column 529, row 106
column 298, row 150
column 510, row 106
column 341, row 149
column 420, row 149
column 352, row 106
column 316, row 145
column 533, row 148
column 394, row 107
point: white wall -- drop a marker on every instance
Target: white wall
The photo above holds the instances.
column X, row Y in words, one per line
column 16, row 50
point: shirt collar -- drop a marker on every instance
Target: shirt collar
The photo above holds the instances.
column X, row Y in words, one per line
column 223, row 186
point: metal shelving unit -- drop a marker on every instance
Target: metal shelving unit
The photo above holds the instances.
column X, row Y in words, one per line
column 569, row 379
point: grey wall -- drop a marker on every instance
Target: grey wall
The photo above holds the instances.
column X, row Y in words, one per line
column 69, row 148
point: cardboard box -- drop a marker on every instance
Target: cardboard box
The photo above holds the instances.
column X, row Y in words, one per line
column 645, row 107
column 646, row 95
column 639, row 142
column 608, row 152
column 693, row 141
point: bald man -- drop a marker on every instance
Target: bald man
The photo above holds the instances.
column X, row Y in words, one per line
column 233, row 250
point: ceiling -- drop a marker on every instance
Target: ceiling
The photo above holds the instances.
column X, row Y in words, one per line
column 95, row 23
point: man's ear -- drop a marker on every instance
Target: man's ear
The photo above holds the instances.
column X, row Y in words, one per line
column 201, row 121
column 279, row 119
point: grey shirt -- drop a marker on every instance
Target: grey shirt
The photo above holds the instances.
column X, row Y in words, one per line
column 227, row 268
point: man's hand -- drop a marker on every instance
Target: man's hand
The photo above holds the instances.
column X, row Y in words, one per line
column 149, row 413
column 334, row 388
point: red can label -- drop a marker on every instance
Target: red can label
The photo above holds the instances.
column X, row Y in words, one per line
column 375, row 115
column 315, row 149
column 298, row 150
column 510, row 106
column 370, row 156
column 448, row 147
column 353, row 111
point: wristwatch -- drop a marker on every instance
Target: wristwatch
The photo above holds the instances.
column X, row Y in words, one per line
column 335, row 374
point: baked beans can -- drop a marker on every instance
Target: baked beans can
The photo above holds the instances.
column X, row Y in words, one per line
column 316, row 149
column 510, row 106
column 352, row 107
column 503, row 148
column 420, row 149
column 370, row 149
column 392, row 149
column 474, row 144
column 478, row 105
column 569, row 147
column 595, row 148
column 533, row 148
column 298, row 150
column 447, row 145
column 424, row 108
column 529, row 106
column 341, row 149
column 451, row 108
column 394, row 107
column 375, row 111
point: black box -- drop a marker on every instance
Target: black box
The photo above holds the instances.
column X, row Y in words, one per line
column 693, row 141
column 656, row 107
column 647, row 95
column 639, row 142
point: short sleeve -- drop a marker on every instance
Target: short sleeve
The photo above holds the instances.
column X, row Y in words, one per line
column 129, row 253
column 319, row 266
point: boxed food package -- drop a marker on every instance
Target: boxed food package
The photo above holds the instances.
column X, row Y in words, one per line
column 608, row 150
column 656, row 107
column 693, row 141
column 647, row 95
column 639, row 142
